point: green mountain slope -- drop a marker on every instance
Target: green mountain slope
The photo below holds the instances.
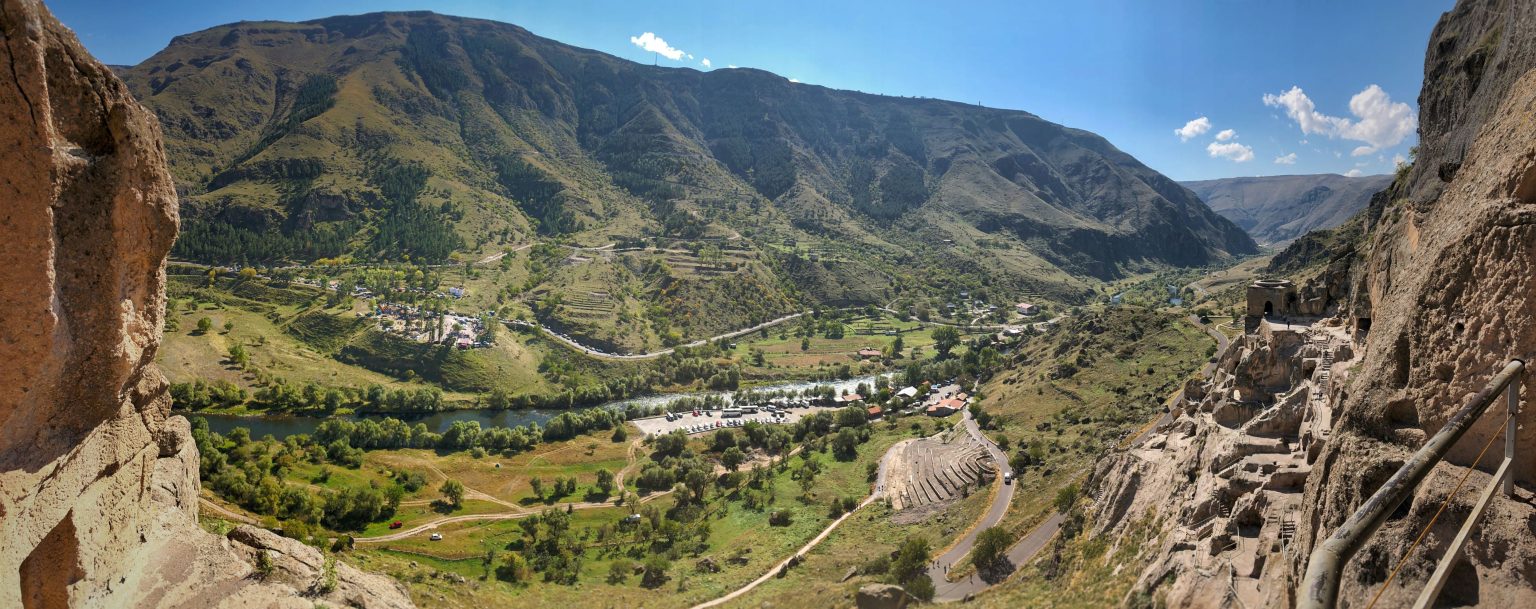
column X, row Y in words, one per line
column 418, row 136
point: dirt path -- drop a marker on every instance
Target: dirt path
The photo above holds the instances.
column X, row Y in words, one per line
column 224, row 511
column 878, row 491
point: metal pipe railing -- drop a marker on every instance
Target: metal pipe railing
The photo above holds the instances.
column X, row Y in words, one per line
column 1320, row 587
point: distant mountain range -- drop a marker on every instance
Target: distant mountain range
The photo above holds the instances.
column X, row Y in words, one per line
column 394, row 135
column 1278, row 209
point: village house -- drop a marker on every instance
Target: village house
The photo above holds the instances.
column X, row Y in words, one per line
column 944, row 408
column 867, row 353
column 1027, row 309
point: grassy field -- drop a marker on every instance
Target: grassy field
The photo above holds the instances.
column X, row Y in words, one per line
column 187, row 354
column 511, row 481
column 734, row 530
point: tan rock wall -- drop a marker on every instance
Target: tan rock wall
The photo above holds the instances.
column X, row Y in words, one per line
column 98, row 485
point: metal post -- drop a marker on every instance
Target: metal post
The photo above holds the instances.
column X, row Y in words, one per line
column 1509, row 432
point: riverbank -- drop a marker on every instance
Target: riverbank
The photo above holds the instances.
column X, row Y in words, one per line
column 283, row 425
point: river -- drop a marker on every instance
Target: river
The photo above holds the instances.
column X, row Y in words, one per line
column 282, row 426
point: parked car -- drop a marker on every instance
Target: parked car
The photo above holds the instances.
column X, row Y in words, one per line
column 436, row 537
column 396, row 524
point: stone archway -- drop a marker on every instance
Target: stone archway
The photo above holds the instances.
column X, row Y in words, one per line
column 1269, row 308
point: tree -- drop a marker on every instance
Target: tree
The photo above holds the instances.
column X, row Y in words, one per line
column 911, row 562
column 453, row 491
column 605, row 482
column 732, row 458
column 238, row 355
column 619, row 569
column 945, row 338
column 619, row 434
column 204, row 325
column 897, row 346
column 805, row 344
column 655, row 571
column 1066, row 497
column 538, row 487
column 229, row 325
column 991, row 548
column 845, row 445
column 515, row 569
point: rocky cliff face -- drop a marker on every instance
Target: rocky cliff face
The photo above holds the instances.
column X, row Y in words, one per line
column 98, row 484
column 1442, row 281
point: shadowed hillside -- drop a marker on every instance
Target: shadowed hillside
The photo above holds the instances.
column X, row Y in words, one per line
column 395, row 135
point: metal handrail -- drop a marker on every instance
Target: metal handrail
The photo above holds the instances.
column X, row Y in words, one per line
column 1320, row 587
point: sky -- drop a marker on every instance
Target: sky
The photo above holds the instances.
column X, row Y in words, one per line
column 1194, row 89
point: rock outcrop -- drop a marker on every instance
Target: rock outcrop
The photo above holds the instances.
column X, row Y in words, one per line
column 1431, row 298
column 98, row 483
column 881, row 596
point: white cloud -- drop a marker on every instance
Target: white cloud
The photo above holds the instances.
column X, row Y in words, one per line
column 1286, row 159
column 1238, row 153
column 1226, row 134
column 730, row 65
column 1193, row 128
column 1353, row 173
column 795, row 80
column 706, row 63
column 690, row 55
column 1397, row 159
column 1379, row 122
column 654, row 44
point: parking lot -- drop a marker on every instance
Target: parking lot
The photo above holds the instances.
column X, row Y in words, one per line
column 710, row 420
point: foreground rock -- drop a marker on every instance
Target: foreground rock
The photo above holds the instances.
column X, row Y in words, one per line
column 882, row 596
column 98, row 484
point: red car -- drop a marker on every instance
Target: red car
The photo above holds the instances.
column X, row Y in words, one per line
column 396, row 524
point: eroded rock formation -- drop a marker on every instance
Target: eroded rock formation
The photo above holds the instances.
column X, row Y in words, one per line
column 98, row 483
column 1431, row 302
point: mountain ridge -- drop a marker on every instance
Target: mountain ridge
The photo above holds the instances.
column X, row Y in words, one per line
column 1279, row 209
column 276, row 133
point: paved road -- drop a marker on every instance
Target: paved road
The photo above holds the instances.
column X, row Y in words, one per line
column 945, row 590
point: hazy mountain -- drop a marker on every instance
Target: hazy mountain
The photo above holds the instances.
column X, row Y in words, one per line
column 1277, row 209
column 394, row 134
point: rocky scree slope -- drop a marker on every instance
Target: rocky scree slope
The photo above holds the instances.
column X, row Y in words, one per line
column 1277, row 209
column 98, row 484
column 278, row 130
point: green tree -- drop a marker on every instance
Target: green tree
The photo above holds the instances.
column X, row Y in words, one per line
column 944, row 339
column 229, row 326
column 538, row 487
column 805, row 344
column 604, row 482
column 732, row 458
column 515, row 569
column 204, row 325
column 619, row 434
column 619, row 570
column 238, row 355
column 911, row 561
column 1066, row 497
column 655, row 571
column 453, row 491
column 991, row 548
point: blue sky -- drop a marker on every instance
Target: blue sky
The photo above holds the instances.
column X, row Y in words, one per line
column 1304, row 86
